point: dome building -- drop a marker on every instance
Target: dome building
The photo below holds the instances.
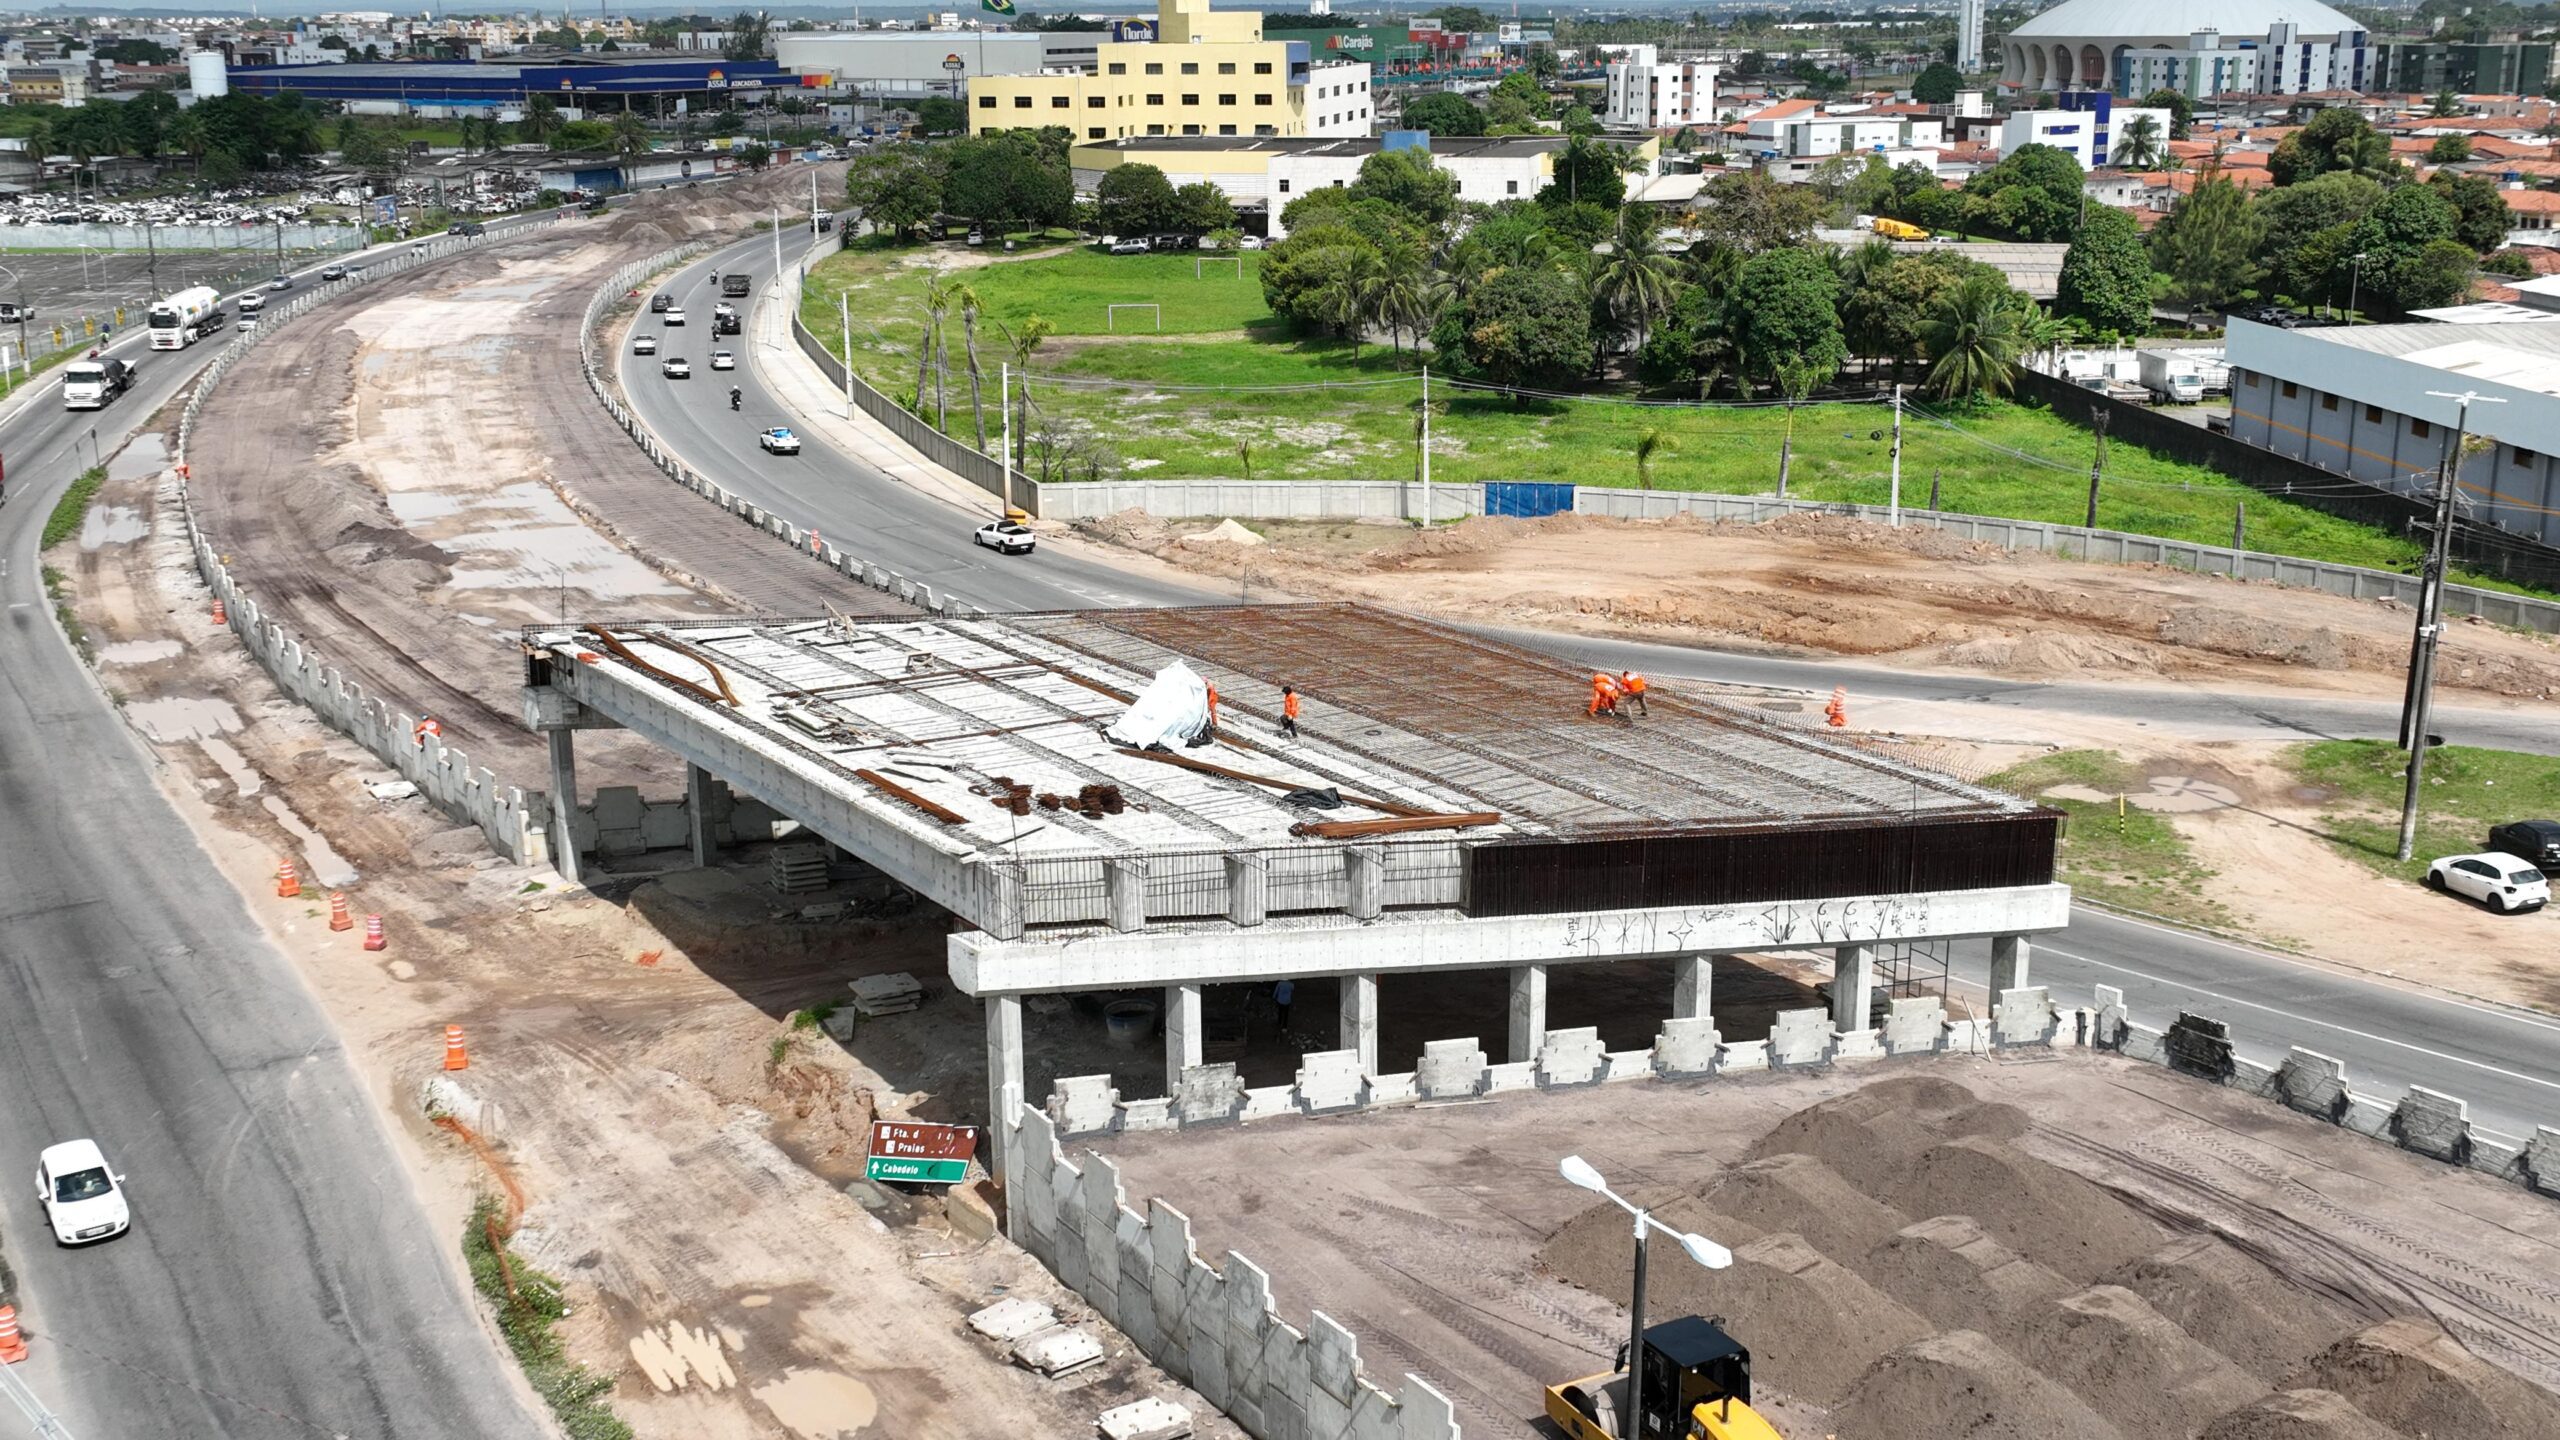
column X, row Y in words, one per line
column 2200, row 47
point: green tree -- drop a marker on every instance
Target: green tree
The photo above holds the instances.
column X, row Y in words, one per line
column 1527, row 328
column 541, row 119
column 1444, row 114
column 137, row 51
column 2204, row 243
column 1407, row 180
column 2182, row 111
column 1134, row 200
column 1747, row 211
column 143, row 124
column 582, row 135
column 2033, row 194
column 1201, row 207
column 2449, row 150
column 1587, row 172
column 755, row 155
column 941, row 115
column 2445, row 106
column 750, row 34
column 2333, row 140
column 896, row 187
column 2139, row 144
column 1006, row 176
column 2481, row 217
column 1635, row 283
column 1651, row 441
column 1975, row 339
column 1938, row 84
column 2412, row 259
column 630, row 134
column 1320, row 277
column 2289, row 215
column 1786, row 308
column 362, row 147
column 2106, row 275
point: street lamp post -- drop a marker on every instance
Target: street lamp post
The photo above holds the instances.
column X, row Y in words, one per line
column 1578, row 1173
column 2355, row 280
column 2422, row 645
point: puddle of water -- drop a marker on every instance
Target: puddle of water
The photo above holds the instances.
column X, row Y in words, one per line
column 139, row 652
column 145, row 454
column 244, row 776
column 183, row 717
column 520, row 291
column 111, row 525
column 819, row 1404
column 412, row 506
column 328, row 867
column 671, row 1358
column 542, row 557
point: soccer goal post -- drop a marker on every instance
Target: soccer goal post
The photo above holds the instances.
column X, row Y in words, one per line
column 1111, row 314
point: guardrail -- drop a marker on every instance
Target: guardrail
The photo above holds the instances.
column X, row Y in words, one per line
column 807, row 542
column 512, row 817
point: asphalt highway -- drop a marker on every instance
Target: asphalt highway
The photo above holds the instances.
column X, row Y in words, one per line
column 281, row 1281
column 2506, row 1061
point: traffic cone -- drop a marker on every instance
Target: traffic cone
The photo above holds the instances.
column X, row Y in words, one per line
column 1838, row 709
column 339, row 919
column 220, row 615
column 816, row 545
column 13, row 1346
column 454, row 1058
column 373, row 933
column 288, row 880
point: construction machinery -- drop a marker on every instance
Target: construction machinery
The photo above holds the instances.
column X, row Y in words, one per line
column 1697, row 1386
column 1893, row 229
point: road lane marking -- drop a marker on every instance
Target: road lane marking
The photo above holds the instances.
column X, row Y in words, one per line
column 2309, row 1020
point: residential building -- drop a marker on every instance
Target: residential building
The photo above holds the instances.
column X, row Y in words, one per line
column 38, row 85
column 1191, row 71
column 2085, row 127
column 2430, row 67
column 1645, row 92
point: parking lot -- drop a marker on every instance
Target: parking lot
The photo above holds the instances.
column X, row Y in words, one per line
column 76, row 293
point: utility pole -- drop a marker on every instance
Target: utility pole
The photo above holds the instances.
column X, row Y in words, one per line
column 1426, row 447
column 2422, row 645
column 1004, row 402
column 151, row 248
column 2097, row 467
column 1893, row 500
column 777, row 248
column 2239, row 524
column 844, row 324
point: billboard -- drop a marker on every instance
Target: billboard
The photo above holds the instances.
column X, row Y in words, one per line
column 1133, row 32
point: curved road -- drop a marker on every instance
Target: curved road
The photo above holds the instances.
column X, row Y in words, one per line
column 281, row 1281
column 2505, row 1060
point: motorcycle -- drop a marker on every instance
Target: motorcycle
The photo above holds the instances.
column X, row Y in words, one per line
column 733, row 397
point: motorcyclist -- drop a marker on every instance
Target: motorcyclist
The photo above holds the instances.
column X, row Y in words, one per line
column 715, row 277
column 734, row 396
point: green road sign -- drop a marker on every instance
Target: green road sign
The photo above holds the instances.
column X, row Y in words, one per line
column 917, row 1172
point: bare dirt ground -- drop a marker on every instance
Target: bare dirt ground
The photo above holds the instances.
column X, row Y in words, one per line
column 409, row 474
column 691, row 1158
column 1824, row 584
column 2059, row 1245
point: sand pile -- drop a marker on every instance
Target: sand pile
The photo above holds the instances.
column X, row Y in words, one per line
column 1960, row 1386
column 2131, row 1365
column 1596, row 1251
column 2299, row 1415
column 1948, row 1271
column 2409, row 1374
column 1805, row 1318
column 1872, row 1137
column 2047, row 1214
column 1801, row 1194
column 2234, row 1304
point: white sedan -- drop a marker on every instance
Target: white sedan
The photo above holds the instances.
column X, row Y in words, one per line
column 778, row 441
column 2501, row 882
column 676, row 367
column 723, row 360
column 1007, row 537
column 674, row 315
column 83, row 1200
column 645, row 345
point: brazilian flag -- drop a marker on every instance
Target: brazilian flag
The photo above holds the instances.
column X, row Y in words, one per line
column 1000, row 7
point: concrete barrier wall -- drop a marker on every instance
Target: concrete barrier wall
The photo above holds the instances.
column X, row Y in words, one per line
column 1261, row 499
column 179, row 237
column 1215, row 1330
column 510, row 816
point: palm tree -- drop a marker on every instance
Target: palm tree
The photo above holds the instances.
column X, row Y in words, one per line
column 630, row 134
column 186, row 135
column 967, row 300
column 1408, row 294
column 1348, row 300
column 1636, row 282
column 1795, row 381
column 2137, row 145
column 2042, row 334
column 1974, row 340
column 937, row 300
column 1022, row 342
column 541, row 119
column 1651, row 441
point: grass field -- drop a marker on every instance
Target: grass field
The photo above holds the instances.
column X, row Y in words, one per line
column 2464, row 792
column 2134, row 859
column 1175, row 407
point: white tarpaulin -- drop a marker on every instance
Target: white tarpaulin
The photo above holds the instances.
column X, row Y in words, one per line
column 1173, row 708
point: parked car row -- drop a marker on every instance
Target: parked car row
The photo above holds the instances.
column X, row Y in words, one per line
column 1158, row 244
column 2507, row 877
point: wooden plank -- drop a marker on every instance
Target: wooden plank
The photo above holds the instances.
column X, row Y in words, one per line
column 1397, row 825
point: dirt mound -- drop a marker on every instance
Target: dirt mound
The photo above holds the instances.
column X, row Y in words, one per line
column 2242, row 1309
column 1800, row 1193
column 2047, row 1214
column 1813, row 1326
column 1872, row 1137
column 2197, row 627
column 2132, row 1365
column 2299, row 1415
column 2409, row 1374
column 1842, row 532
column 1595, row 1250
column 2045, row 652
column 1958, row 1278
column 1960, row 1386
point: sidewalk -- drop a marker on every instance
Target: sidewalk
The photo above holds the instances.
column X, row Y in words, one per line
column 821, row 408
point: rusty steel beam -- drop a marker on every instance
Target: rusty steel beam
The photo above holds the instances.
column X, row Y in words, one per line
column 943, row 813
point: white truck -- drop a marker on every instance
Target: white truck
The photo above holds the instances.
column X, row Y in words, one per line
column 186, row 317
column 2183, row 377
column 93, row 384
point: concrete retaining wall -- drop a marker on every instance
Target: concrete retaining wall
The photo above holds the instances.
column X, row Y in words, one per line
column 1216, row 1330
column 180, row 237
column 1261, row 499
column 510, row 816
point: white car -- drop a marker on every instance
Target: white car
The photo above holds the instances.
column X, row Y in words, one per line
column 723, row 360
column 83, row 1199
column 1007, row 537
column 645, row 345
column 2502, row 882
column 676, row 367
column 674, row 315
column 1250, row 242
column 778, row 441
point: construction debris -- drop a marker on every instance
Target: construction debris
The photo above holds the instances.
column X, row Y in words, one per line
column 1148, row 1419
column 1011, row 1319
column 1058, row 1353
column 894, row 994
column 798, row 869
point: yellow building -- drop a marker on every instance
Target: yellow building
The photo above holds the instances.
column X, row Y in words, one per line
column 1190, row 71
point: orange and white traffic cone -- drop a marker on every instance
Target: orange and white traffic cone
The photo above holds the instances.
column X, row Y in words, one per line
column 1838, row 710
column 339, row 919
column 454, row 1058
column 13, row 1346
column 288, row 880
column 373, row 933
column 220, row 615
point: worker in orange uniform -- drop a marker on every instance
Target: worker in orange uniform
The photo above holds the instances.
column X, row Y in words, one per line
column 1631, row 685
column 1289, row 712
column 1604, row 696
column 1213, row 709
